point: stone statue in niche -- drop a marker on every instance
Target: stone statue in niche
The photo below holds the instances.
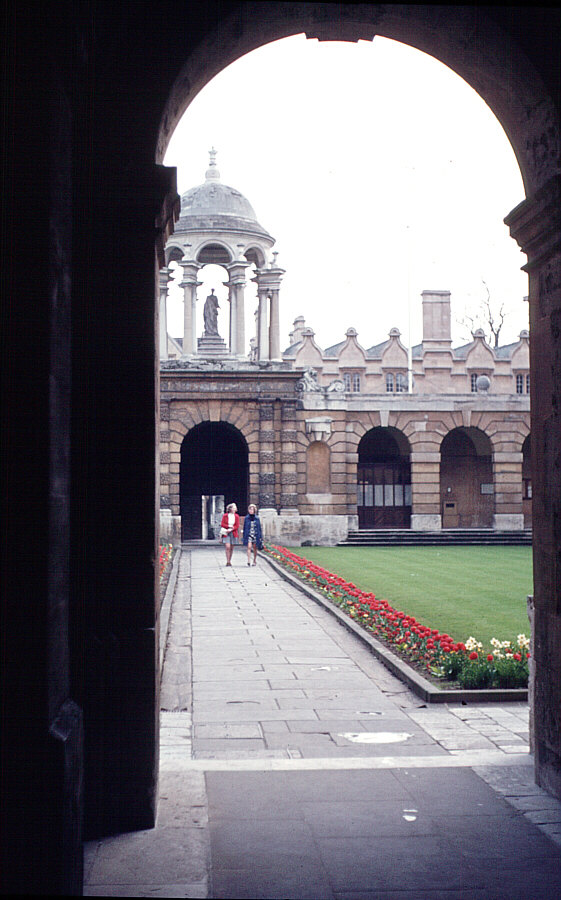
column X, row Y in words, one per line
column 210, row 314
column 309, row 381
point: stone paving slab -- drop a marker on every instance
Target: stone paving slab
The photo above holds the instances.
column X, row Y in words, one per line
column 310, row 812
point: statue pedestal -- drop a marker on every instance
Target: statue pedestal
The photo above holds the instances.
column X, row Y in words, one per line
column 212, row 346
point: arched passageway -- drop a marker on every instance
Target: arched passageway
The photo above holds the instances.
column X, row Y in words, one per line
column 78, row 105
column 384, row 480
column 466, row 479
column 214, row 464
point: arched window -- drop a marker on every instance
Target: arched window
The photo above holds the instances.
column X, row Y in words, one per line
column 318, row 468
column 519, row 384
column 389, row 382
column 400, row 383
column 356, row 383
column 473, row 382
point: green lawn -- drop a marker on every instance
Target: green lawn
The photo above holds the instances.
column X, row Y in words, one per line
column 479, row 591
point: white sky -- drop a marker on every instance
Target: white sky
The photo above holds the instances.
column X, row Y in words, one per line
column 344, row 151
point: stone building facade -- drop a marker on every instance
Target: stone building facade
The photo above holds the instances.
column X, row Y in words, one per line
column 326, row 441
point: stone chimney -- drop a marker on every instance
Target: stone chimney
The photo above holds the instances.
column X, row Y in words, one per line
column 437, row 332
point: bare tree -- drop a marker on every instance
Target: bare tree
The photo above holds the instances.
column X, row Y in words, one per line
column 489, row 316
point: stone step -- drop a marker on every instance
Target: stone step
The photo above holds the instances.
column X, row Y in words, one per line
column 404, row 537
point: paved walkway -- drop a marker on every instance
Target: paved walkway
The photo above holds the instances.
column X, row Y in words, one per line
column 294, row 765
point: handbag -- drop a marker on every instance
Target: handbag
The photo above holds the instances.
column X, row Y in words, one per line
column 223, row 532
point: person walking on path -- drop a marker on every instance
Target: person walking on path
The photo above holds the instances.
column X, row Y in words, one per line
column 252, row 534
column 229, row 530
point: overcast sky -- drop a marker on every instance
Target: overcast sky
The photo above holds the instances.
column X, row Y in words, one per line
column 379, row 172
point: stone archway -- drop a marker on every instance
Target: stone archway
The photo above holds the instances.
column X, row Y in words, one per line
column 384, row 479
column 214, row 463
column 483, row 48
column 466, row 479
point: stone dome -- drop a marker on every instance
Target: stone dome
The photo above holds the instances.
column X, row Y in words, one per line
column 213, row 205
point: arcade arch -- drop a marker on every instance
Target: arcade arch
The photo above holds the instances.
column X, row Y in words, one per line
column 384, row 479
column 466, row 479
column 214, row 471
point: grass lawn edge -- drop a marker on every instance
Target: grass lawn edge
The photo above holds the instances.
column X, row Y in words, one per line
column 414, row 680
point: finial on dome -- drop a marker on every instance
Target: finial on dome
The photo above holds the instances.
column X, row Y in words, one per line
column 212, row 173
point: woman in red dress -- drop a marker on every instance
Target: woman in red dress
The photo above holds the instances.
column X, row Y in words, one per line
column 229, row 527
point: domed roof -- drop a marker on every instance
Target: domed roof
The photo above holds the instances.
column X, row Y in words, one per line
column 216, row 206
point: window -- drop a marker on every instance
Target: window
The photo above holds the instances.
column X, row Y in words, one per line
column 347, row 381
column 400, row 383
column 473, row 381
column 527, row 491
column 527, row 384
column 389, row 383
column 356, row 383
column 519, row 384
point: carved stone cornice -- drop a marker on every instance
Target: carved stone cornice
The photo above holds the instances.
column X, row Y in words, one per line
column 535, row 224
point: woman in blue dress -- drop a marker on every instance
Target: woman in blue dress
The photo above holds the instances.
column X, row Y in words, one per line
column 252, row 534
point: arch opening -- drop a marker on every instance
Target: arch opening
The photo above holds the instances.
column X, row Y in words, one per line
column 527, row 482
column 214, row 471
column 384, row 479
column 466, row 479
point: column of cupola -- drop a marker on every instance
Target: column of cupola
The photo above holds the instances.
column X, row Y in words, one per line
column 164, row 279
column 190, row 284
column 236, row 285
column 268, row 280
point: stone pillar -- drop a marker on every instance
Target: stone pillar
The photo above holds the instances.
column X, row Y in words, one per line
column 236, row 285
column 268, row 285
column 190, row 285
column 288, row 460
column 274, row 327
column 536, row 226
column 425, row 491
column 163, row 318
column 232, row 297
column 351, row 475
column 267, row 480
column 507, row 479
column 262, row 338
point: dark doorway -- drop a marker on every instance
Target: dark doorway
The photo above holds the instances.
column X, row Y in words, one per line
column 466, row 479
column 214, row 461
column 384, row 480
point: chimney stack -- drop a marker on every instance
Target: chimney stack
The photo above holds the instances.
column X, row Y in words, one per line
column 437, row 332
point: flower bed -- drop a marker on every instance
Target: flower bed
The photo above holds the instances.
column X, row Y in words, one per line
column 165, row 558
column 468, row 666
column 166, row 552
